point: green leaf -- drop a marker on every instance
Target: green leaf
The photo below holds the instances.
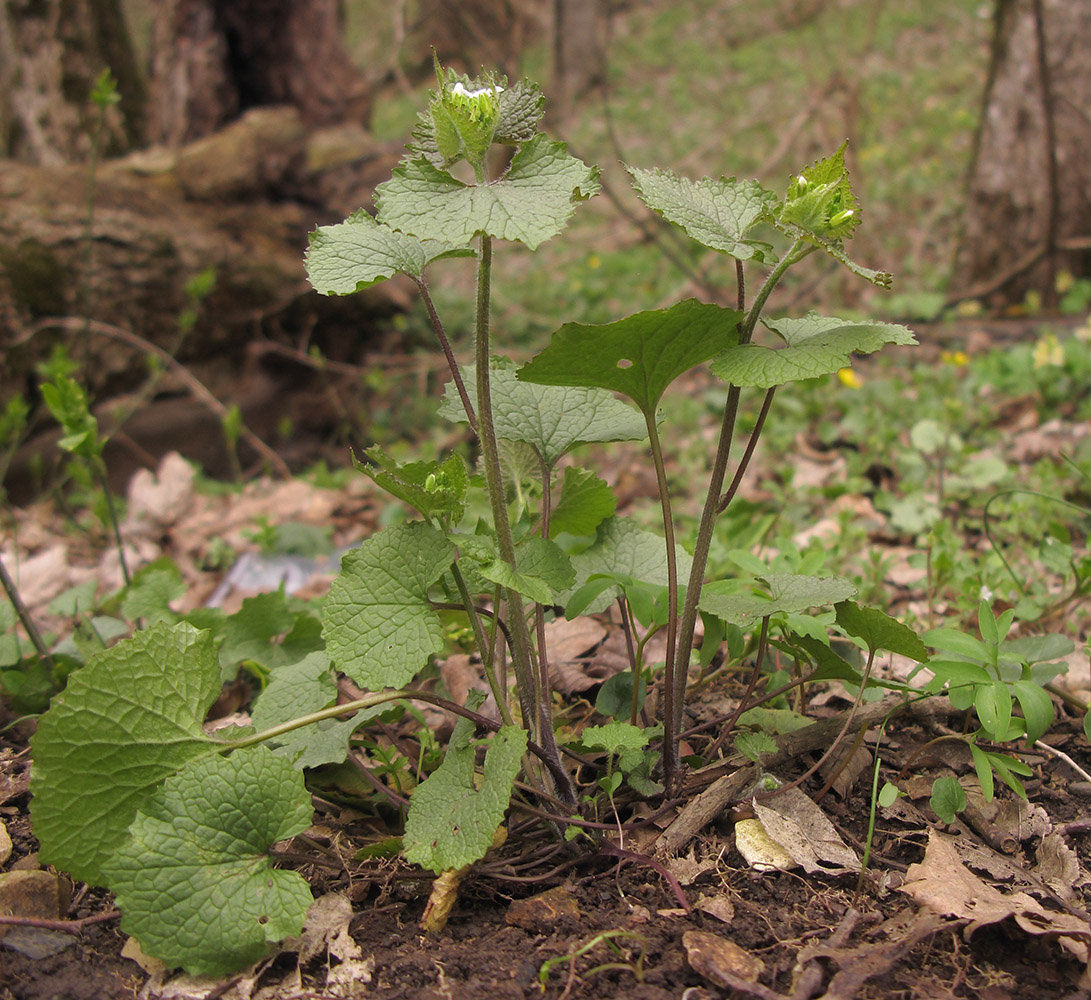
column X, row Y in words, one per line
column 785, row 592
column 816, row 345
column 624, row 549
column 521, row 108
column 586, row 501
column 194, row 882
column 1087, row 725
column 361, row 252
column 294, row 690
column 888, row 794
column 821, row 208
column 638, row 356
column 948, row 799
column 544, row 570
column 1007, row 767
column 152, row 589
column 716, row 213
column 432, row 488
column 614, row 737
column 325, row 742
column 1037, row 709
column 993, row 704
column 378, row 623
column 452, row 821
column 531, row 203
column 615, row 697
column 132, row 716
column 255, row 632
column 828, row 665
column 1039, row 649
column 950, row 640
column 551, row 418
column 880, row 631
column 984, row 771
column 754, row 744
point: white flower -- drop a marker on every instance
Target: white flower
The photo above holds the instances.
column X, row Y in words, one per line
column 460, row 89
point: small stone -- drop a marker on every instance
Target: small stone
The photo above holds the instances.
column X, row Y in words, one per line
column 719, row 960
column 31, row 894
column 546, row 910
column 5, row 843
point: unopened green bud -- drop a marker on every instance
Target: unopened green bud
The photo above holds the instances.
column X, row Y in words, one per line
column 430, row 482
column 841, row 218
column 801, row 183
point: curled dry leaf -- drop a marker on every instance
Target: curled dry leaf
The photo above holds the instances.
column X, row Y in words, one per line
column 944, row 884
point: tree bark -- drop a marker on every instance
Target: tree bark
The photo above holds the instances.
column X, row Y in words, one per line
column 579, row 59
column 1028, row 214
column 51, row 53
column 213, row 59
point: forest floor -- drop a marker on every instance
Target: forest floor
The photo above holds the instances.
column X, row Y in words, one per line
column 993, row 906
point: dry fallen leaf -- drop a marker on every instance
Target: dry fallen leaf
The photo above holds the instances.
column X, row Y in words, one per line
column 944, row 884
column 804, row 831
column 719, row 960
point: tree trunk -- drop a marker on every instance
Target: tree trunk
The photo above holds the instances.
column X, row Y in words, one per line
column 579, row 60
column 213, row 59
column 1028, row 214
column 51, row 53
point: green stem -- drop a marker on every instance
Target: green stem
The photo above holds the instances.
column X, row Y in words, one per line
column 536, row 709
column 111, row 512
column 688, row 623
column 672, row 713
column 482, row 644
column 24, row 616
column 449, row 354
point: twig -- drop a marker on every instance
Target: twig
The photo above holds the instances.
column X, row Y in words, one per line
column 196, row 387
column 24, row 616
column 1060, row 754
column 65, row 926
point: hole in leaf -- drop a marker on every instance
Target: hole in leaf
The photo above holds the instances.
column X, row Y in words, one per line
column 625, row 363
column 263, row 919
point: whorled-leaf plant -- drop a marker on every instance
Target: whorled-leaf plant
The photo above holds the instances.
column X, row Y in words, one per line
column 128, row 789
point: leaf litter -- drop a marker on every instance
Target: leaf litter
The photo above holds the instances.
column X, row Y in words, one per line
column 1035, row 885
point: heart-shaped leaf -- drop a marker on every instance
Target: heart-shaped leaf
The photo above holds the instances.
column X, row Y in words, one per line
column 360, row 252
column 531, row 203
column 716, row 213
column 551, row 418
column 378, row 623
column 131, row 717
column 816, row 345
column 784, row 592
column 638, row 356
column 194, row 881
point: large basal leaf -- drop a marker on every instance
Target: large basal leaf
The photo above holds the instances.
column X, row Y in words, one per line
column 878, row 630
column 531, row 203
column 378, row 623
column 551, row 418
column 452, row 819
column 816, row 345
column 194, row 882
column 624, row 549
column 716, row 213
column 821, row 208
column 783, row 592
column 294, row 690
column 360, row 252
column 131, row 717
column 638, row 356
